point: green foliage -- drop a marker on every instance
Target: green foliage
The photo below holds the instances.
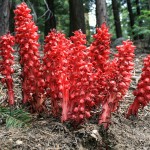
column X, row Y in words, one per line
column 144, row 28
column 62, row 15
column 125, row 22
column 17, row 118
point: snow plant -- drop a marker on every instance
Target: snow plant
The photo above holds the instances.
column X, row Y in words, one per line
column 27, row 38
column 115, row 81
column 6, row 64
column 142, row 93
column 55, row 69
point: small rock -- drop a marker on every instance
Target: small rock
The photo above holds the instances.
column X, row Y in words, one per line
column 18, row 142
column 11, row 140
column 96, row 135
column 118, row 41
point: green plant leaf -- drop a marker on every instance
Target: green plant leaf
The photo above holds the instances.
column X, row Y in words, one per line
column 17, row 118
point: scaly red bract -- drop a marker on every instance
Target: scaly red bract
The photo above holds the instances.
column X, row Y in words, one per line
column 6, row 64
column 142, row 93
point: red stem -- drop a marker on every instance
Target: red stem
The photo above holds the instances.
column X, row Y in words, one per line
column 10, row 92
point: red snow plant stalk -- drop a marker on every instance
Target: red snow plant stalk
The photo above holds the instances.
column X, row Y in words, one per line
column 6, row 62
column 117, row 78
column 56, row 70
column 27, row 38
column 142, row 93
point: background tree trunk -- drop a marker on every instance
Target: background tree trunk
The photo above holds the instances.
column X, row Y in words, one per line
column 11, row 18
column 115, row 7
column 50, row 22
column 101, row 15
column 77, row 20
column 4, row 16
column 86, row 14
column 131, row 15
column 138, row 12
column 138, row 7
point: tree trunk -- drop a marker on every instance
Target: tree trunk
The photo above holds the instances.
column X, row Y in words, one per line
column 101, row 15
column 4, row 16
column 138, row 12
column 50, row 22
column 138, row 7
column 131, row 15
column 12, row 15
column 86, row 14
column 77, row 20
column 115, row 7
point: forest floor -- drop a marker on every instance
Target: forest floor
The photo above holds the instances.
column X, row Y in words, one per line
column 48, row 133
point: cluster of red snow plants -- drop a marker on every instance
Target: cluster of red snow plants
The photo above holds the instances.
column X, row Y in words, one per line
column 77, row 79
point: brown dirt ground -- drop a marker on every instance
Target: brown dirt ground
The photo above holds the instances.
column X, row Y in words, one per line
column 47, row 133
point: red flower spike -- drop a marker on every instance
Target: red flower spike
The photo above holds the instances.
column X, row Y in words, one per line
column 118, row 78
column 27, row 38
column 6, row 62
column 100, row 48
column 81, row 71
column 56, row 71
column 142, row 93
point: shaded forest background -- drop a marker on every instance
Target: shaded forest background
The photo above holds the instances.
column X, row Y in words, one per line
column 125, row 18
